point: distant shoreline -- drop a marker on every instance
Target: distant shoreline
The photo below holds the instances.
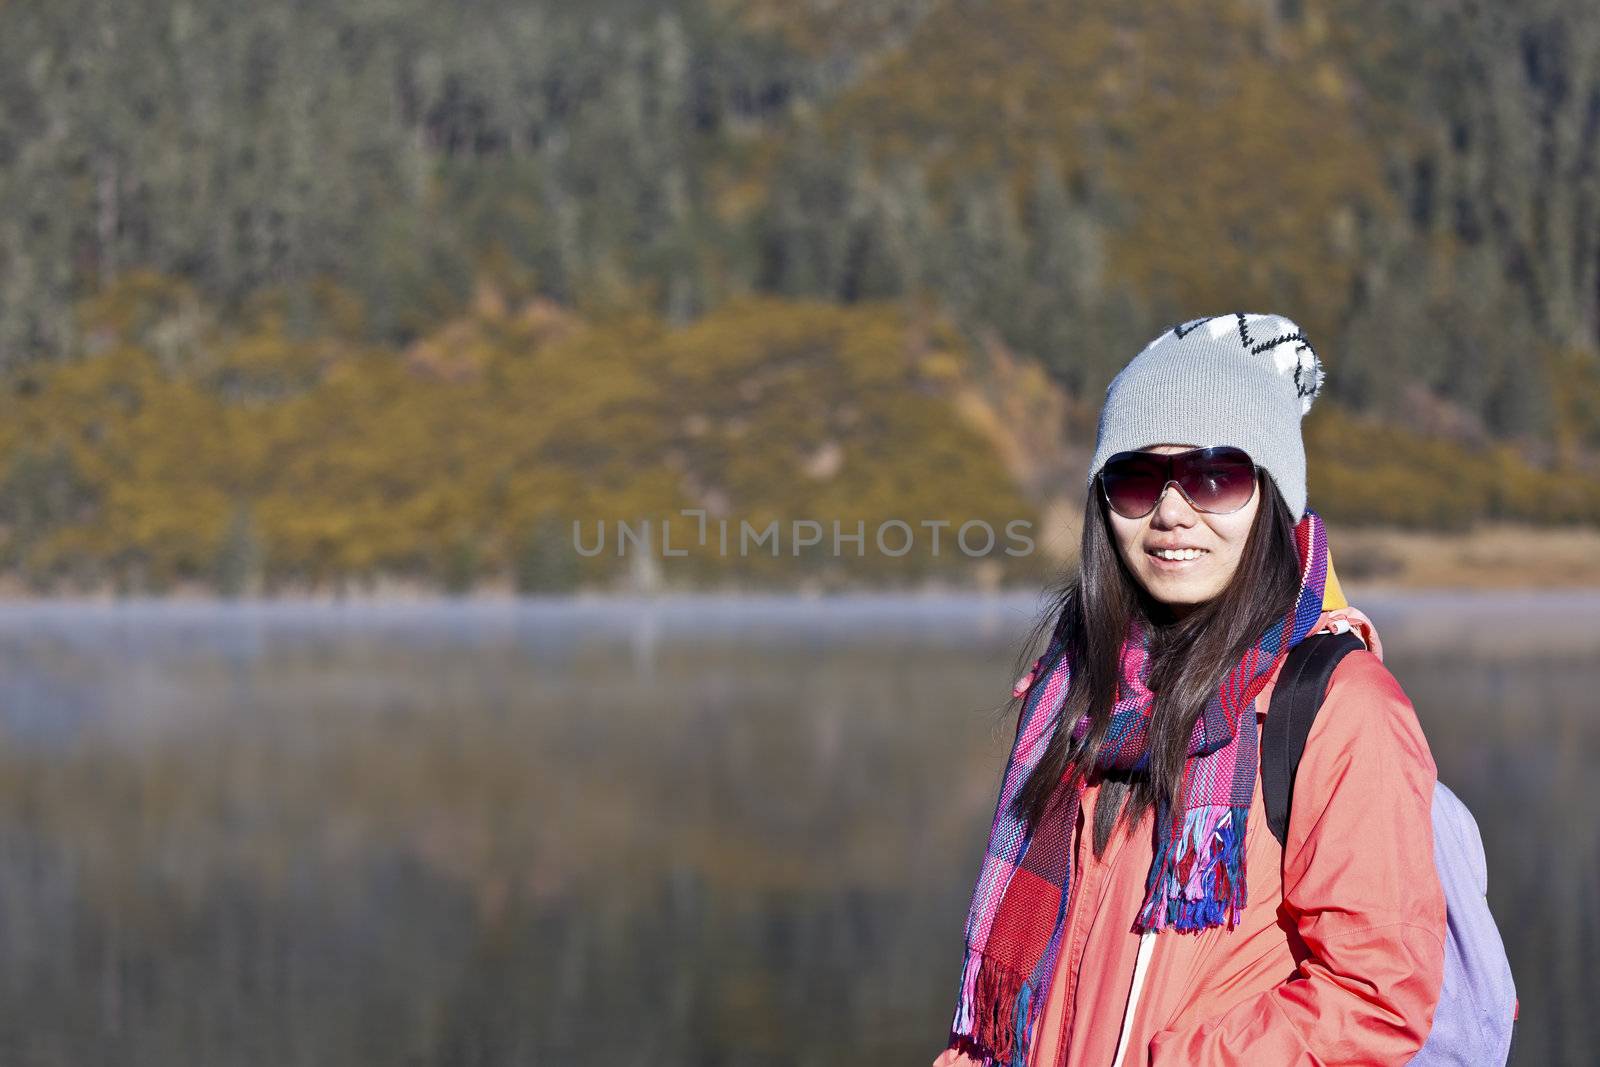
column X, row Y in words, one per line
column 1488, row 556
column 1489, row 624
column 1370, row 560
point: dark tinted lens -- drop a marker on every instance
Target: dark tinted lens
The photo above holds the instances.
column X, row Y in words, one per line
column 1217, row 479
column 1132, row 483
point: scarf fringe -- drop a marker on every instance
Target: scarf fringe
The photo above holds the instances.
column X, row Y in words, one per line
column 1197, row 879
column 994, row 1020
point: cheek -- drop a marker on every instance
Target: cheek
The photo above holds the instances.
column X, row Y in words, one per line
column 1233, row 552
column 1234, row 530
column 1127, row 533
column 1235, row 537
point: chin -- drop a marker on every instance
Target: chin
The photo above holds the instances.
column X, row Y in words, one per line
column 1178, row 594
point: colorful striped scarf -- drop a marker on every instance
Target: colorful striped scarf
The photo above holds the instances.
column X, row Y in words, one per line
column 1197, row 879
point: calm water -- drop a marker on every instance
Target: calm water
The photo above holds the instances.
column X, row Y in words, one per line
column 696, row 832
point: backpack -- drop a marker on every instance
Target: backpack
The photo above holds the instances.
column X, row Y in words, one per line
column 1474, row 1021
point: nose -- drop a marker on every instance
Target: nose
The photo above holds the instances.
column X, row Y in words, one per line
column 1173, row 507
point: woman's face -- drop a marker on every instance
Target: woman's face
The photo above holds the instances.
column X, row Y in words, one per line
column 1174, row 523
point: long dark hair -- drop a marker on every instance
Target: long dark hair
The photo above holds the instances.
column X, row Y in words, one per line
column 1091, row 608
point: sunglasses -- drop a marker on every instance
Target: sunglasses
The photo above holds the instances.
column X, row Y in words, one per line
column 1215, row 480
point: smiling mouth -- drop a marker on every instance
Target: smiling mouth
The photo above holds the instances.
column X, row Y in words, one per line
column 1178, row 558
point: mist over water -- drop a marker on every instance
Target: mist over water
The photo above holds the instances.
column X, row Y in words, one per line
column 690, row 831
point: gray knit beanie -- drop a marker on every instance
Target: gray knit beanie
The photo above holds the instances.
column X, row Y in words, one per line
column 1242, row 380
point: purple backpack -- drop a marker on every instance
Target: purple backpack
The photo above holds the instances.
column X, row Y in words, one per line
column 1473, row 1022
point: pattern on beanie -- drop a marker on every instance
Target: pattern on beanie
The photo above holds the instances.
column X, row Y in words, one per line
column 1291, row 351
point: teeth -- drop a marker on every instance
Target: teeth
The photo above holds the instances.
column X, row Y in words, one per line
column 1180, row 553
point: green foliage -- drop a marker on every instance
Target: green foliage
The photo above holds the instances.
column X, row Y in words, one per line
column 545, row 562
column 383, row 144
column 238, row 562
column 1365, row 472
column 261, row 461
column 283, row 286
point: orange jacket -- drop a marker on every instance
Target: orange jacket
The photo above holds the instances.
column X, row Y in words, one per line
column 1339, row 956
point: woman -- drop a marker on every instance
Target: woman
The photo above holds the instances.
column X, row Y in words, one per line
column 1120, row 916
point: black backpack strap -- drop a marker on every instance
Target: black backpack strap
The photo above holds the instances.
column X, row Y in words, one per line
column 1296, row 698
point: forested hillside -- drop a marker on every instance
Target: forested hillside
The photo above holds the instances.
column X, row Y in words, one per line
column 297, row 295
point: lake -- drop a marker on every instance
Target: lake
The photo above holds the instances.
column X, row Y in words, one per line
column 687, row 831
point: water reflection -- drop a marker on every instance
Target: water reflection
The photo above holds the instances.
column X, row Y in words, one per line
column 695, row 831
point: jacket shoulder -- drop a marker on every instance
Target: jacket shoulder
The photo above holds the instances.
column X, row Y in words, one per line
column 1367, row 715
column 1361, row 669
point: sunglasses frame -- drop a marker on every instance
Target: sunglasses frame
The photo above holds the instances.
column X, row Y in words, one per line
column 1168, row 458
